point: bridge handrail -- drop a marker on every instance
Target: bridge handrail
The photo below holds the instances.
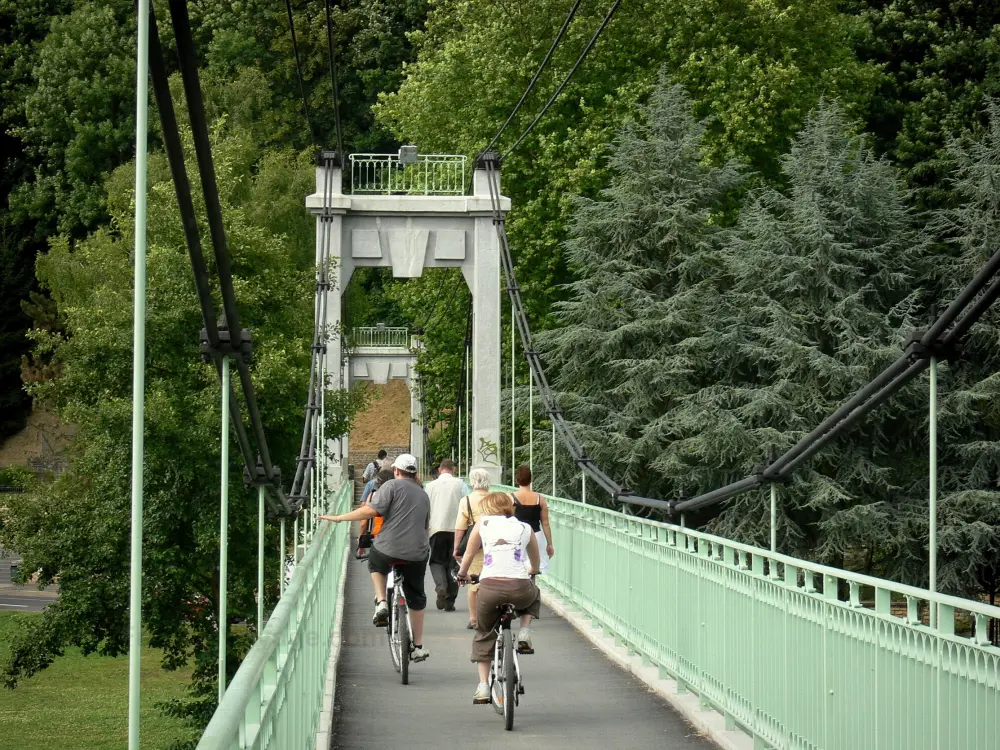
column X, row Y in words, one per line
column 906, row 590
column 251, row 701
column 372, row 336
column 748, row 631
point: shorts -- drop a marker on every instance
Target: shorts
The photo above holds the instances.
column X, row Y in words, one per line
column 412, row 572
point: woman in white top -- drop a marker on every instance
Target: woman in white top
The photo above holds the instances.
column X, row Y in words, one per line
column 507, row 544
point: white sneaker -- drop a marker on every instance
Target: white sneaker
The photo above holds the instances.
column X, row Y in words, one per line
column 419, row 654
column 524, row 642
column 482, row 694
column 381, row 617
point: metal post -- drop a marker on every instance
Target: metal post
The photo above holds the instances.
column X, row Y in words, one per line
column 224, row 531
column 932, row 573
column 295, row 543
column 138, row 377
column 774, row 517
column 468, row 408
column 260, row 561
column 283, row 553
column 513, row 386
column 583, row 480
column 460, row 440
column 553, row 458
column 531, row 420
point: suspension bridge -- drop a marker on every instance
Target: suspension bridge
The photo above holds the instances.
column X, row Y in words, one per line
column 706, row 639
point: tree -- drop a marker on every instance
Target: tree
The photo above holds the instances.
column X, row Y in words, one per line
column 969, row 422
column 939, row 60
column 754, row 68
column 643, row 253
column 22, row 26
column 77, row 528
column 817, row 297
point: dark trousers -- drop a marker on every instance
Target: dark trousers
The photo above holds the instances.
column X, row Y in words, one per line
column 443, row 565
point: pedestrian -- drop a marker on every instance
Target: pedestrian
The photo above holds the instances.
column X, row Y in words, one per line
column 445, row 493
column 468, row 514
column 374, row 466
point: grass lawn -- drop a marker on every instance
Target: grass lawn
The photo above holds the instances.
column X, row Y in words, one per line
column 81, row 702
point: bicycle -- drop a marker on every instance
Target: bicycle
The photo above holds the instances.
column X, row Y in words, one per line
column 505, row 672
column 398, row 627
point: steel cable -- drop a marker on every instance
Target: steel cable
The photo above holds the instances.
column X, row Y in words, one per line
column 555, row 94
column 534, row 79
column 298, row 70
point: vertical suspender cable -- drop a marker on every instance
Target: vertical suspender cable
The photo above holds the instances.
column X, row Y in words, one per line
column 774, row 517
column 553, row 457
column 513, row 400
column 932, row 510
column 224, row 531
column 468, row 405
column 334, row 84
column 282, row 554
column 260, row 561
column 531, row 423
column 138, row 376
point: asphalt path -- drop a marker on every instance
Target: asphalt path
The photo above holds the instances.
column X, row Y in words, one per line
column 574, row 696
column 14, row 598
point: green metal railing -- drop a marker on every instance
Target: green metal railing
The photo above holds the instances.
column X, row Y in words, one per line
column 274, row 701
column 799, row 655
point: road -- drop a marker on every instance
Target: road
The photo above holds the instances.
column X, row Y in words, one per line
column 14, row 598
column 574, row 696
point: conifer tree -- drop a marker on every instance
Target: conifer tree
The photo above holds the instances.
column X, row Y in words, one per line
column 969, row 411
column 641, row 249
column 816, row 298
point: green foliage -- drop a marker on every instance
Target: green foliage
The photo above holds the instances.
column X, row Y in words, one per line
column 17, row 476
column 78, row 527
column 939, row 59
column 80, row 117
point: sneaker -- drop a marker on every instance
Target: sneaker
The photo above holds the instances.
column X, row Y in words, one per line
column 471, row 625
column 524, row 642
column 442, row 596
column 449, row 606
column 381, row 617
column 482, row 694
column 419, row 653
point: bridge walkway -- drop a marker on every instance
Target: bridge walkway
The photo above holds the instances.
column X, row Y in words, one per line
column 575, row 697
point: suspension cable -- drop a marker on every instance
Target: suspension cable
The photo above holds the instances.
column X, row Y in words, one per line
column 534, row 80
column 333, row 81
column 559, row 423
column 555, row 94
column 298, row 70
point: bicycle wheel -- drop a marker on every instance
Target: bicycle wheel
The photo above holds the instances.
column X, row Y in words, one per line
column 509, row 680
column 404, row 643
column 496, row 676
column 392, row 630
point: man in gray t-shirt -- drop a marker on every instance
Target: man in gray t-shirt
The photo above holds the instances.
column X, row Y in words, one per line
column 405, row 512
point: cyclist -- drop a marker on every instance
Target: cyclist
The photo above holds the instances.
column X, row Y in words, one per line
column 405, row 511
column 506, row 543
column 468, row 514
column 532, row 509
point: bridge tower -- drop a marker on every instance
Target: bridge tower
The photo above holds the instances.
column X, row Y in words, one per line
column 410, row 213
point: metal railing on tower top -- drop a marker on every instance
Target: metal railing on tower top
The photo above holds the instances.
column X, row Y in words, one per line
column 379, row 336
column 426, row 174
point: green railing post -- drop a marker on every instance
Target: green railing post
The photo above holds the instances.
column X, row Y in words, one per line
column 260, row 560
column 283, row 553
column 138, row 376
column 224, row 532
column 932, row 510
column 774, row 517
column 553, row 456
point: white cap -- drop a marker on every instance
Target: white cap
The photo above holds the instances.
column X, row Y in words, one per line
column 405, row 462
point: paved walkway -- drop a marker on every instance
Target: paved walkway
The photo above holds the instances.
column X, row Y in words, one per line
column 575, row 697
